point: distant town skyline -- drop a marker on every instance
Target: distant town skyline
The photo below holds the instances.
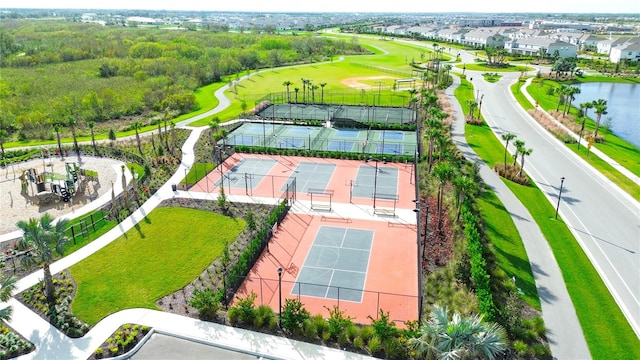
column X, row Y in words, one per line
column 362, row 6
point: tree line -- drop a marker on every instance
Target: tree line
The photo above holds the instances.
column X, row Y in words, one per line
column 55, row 71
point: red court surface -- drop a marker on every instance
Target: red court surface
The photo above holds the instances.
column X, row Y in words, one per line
column 340, row 182
column 389, row 280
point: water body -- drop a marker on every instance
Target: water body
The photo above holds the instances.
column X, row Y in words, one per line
column 623, row 107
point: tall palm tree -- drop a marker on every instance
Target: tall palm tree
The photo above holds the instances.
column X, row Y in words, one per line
column 296, row 90
column 572, row 91
column 519, row 144
column 322, row 85
column 507, row 137
column 561, row 91
column 524, row 152
column 313, row 87
column 442, row 172
column 7, row 286
column 57, row 127
column 304, row 89
column 600, row 108
column 72, row 123
column 137, row 125
column 91, row 125
column 287, row 84
column 458, row 337
column 44, row 239
column 585, row 106
column 432, row 134
column 463, row 185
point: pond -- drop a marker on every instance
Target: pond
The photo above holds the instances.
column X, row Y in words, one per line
column 623, row 107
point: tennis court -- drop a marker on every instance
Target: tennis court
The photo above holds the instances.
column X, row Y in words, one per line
column 336, row 264
column 247, row 173
column 311, row 175
column 339, row 113
column 368, row 182
column 320, row 138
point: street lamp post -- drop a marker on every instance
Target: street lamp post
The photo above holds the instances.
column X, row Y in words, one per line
column 559, row 196
column 280, row 297
column 464, row 68
column 375, row 179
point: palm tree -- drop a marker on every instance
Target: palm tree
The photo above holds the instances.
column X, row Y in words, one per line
column 572, row 91
column 137, row 125
column 214, row 125
column 57, row 127
column 507, row 137
column 472, row 108
column 304, row 89
column 296, row 90
column 459, row 337
column 442, row 172
column 43, row 238
column 322, row 85
column 4, row 135
column 519, row 144
column 166, row 133
column 71, row 123
column 585, row 106
column 561, row 91
column 287, row 84
column 91, row 125
column 7, row 286
column 463, row 186
column 600, row 108
column 432, row 133
column 523, row 152
column 313, row 88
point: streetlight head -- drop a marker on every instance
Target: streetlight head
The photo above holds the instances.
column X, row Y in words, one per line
column 279, row 271
column 562, row 178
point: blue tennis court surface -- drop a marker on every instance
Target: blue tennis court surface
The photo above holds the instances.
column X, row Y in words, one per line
column 347, row 133
column 247, row 173
column 336, row 264
column 257, row 128
column 288, row 143
column 340, row 145
column 386, row 182
column 311, row 175
column 393, row 149
column 299, row 131
column 242, row 139
column 392, row 135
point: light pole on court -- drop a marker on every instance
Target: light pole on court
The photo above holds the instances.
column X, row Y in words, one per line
column 559, row 196
column 375, row 178
column 280, row 297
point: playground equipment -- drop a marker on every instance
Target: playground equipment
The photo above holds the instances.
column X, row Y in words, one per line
column 51, row 187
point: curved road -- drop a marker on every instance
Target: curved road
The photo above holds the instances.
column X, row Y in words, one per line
column 604, row 219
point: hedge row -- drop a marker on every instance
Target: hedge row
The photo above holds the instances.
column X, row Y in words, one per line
column 479, row 273
column 244, row 262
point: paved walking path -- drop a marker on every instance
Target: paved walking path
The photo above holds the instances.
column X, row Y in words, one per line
column 564, row 332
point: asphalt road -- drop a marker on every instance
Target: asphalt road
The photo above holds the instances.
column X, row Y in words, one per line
column 604, row 219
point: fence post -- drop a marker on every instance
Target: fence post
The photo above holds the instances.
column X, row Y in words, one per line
column 338, row 298
column 73, row 235
column 92, row 223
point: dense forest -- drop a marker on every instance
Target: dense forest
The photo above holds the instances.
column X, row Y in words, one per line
column 68, row 74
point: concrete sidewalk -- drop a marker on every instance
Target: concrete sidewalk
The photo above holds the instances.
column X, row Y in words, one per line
column 564, row 332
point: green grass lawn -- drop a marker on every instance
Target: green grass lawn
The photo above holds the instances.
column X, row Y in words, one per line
column 161, row 255
column 198, row 171
column 598, row 313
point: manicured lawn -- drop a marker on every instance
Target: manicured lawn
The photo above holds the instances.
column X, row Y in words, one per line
column 198, row 171
column 161, row 255
column 598, row 313
column 508, row 248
